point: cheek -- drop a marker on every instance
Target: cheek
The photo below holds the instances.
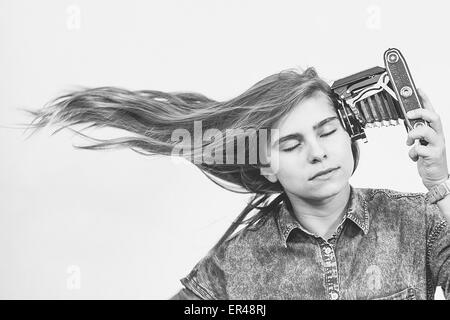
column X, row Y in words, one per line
column 342, row 149
column 291, row 167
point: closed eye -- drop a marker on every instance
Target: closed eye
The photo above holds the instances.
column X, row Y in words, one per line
column 292, row 148
column 322, row 135
column 328, row 133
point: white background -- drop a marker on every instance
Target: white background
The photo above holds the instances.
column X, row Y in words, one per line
column 88, row 224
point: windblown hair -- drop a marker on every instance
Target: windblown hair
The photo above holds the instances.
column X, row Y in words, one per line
column 151, row 117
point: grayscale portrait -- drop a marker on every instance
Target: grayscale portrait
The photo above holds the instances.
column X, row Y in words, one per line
column 224, row 150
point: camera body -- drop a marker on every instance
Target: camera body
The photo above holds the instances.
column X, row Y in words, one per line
column 377, row 97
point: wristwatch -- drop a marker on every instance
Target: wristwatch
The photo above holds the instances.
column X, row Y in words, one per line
column 438, row 192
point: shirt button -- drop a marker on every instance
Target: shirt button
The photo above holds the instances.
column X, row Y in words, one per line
column 327, row 250
column 334, row 295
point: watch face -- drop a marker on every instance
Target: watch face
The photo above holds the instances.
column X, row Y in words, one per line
column 446, row 185
column 443, row 189
column 440, row 192
column 437, row 193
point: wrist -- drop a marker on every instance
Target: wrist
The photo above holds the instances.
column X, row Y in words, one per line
column 433, row 184
column 438, row 192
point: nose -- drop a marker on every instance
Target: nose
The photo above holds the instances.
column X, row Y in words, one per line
column 316, row 152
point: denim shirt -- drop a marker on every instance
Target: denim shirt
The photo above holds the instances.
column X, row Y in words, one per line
column 389, row 245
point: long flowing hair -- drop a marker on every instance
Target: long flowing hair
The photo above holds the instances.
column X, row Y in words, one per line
column 151, row 117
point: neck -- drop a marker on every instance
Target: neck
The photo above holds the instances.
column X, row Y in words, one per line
column 321, row 217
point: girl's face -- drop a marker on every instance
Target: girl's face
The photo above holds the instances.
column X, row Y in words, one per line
column 311, row 139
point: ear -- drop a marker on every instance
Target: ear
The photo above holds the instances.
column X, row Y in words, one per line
column 269, row 174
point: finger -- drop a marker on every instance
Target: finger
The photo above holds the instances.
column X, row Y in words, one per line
column 422, row 132
column 428, row 115
column 426, row 103
column 412, row 153
column 417, row 151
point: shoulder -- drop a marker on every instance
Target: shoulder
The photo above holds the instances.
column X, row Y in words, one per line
column 250, row 239
column 409, row 205
column 388, row 194
column 389, row 197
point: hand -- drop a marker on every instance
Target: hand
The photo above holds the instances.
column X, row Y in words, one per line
column 431, row 159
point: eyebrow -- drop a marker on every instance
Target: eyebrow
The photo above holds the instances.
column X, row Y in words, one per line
column 300, row 136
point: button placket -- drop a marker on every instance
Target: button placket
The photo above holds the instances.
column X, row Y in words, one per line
column 331, row 272
column 334, row 295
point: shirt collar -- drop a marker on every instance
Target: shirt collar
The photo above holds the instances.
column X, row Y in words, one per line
column 356, row 212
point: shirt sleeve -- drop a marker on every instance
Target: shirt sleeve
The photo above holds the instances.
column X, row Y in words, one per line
column 207, row 279
column 438, row 249
column 185, row 294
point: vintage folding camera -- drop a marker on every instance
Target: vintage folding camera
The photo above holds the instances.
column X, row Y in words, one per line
column 378, row 97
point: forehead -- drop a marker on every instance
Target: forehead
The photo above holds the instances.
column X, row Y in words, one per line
column 306, row 114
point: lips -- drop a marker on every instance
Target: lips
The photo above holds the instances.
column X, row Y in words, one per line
column 318, row 174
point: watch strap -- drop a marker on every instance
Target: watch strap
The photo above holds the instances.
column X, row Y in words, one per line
column 438, row 192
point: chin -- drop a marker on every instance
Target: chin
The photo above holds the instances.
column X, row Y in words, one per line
column 327, row 189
